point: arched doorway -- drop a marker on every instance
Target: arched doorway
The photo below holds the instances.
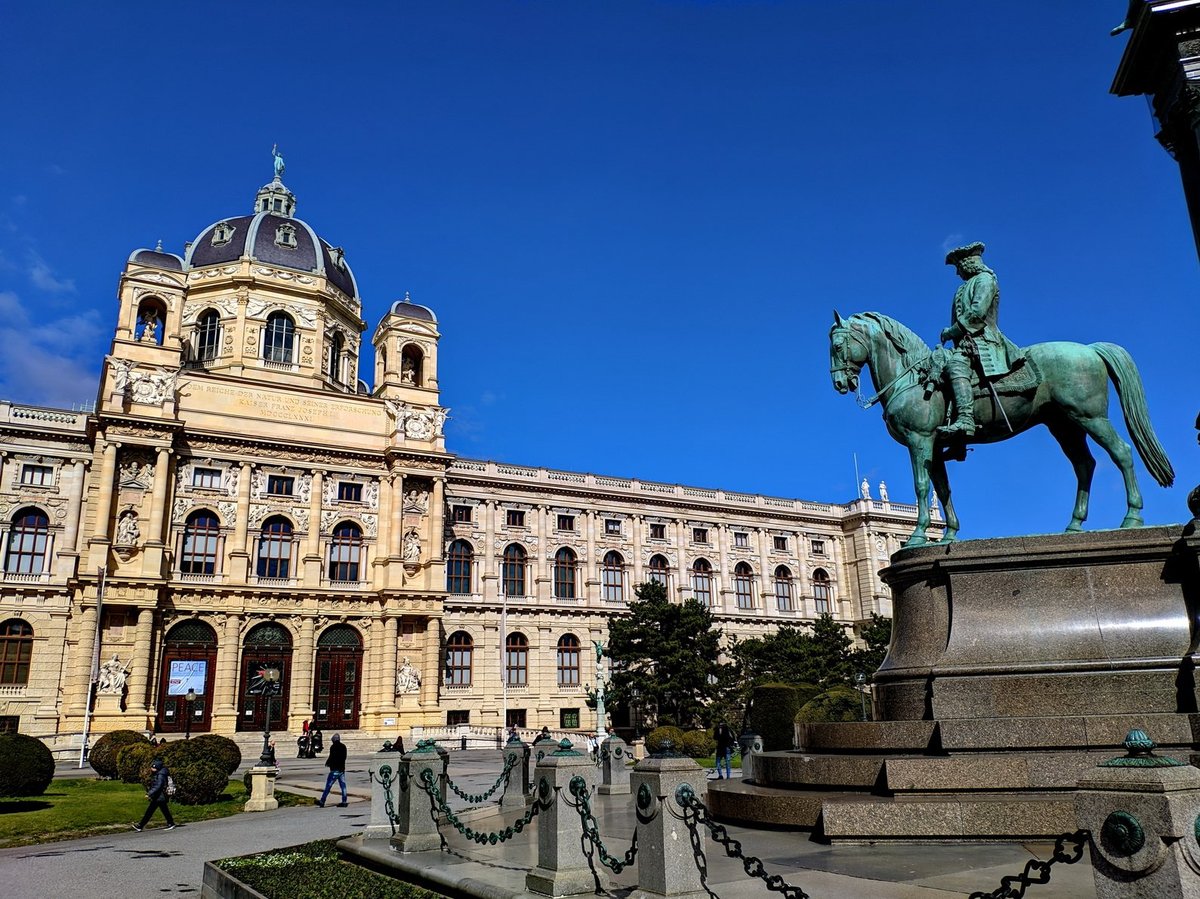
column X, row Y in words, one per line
column 337, row 686
column 189, row 662
column 267, row 645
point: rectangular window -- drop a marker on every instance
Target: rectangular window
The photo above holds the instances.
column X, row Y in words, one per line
column 206, row 478
column 455, row 717
column 699, row 535
column 515, row 518
column 9, row 724
column 780, row 544
column 568, row 719
column 741, row 539
column 37, row 475
column 658, row 532
column 408, row 630
column 612, row 526
column 280, row 485
column 460, row 514
column 818, row 547
column 349, row 492
column 566, row 522
column 515, row 718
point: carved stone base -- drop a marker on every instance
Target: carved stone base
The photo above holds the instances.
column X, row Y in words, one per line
column 262, row 790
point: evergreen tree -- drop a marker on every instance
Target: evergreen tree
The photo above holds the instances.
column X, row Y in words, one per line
column 665, row 655
column 877, row 635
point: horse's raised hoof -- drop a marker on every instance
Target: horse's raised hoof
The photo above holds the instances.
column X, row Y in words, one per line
column 1074, row 528
column 914, row 540
column 1133, row 520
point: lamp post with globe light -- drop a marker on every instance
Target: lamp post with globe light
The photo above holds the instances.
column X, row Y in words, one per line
column 191, row 705
column 271, row 679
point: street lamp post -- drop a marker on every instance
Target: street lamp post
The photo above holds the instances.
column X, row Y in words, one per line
column 861, row 680
column 271, row 686
column 191, row 704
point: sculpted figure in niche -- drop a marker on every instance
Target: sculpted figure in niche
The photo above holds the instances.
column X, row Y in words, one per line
column 149, row 322
column 416, row 501
column 412, row 546
column 408, row 678
column 112, row 676
column 127, row 528
column 408, row 370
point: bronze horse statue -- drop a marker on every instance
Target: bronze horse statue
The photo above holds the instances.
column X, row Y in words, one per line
column 1070, row 398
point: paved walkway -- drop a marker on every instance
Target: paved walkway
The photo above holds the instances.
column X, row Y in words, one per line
column 158, row 862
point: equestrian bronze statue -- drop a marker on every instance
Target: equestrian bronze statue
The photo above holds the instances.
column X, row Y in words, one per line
column 995, row 391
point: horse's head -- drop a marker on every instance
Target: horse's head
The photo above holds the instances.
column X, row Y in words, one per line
column 848, row 351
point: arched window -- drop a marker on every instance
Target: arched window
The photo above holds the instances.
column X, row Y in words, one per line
column 660, row 570
column 513, row 570
column 410, row 365
column 201, row 535
column 702, row 582
column 278, row 336
column 275, row 548
column 208, row 335
column 458, row 567
column 345, row 552
column 459, row 651
column 28, row 542
column 743, row 586
column 150, row 320
column 564, row 574
column 821, row 591
column 568, row 661
column 333, row 366
column 612, row 577
column 783, row 589
column 16, row 652
column 516, row 660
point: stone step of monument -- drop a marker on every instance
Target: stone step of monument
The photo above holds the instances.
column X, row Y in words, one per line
column 990, row 771
column 798, row 770
column 955, row 816
column 736, row 800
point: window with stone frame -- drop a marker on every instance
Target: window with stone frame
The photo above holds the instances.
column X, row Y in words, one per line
column 612, row 527
column 275, row 548
column 28, row 542
column 280, row 485
column 201, row 538
column 460, row 514
column 208, row 336
column 822, row 592
column 565, row 564
column 659, row 570
column 16, row 652
column 743, row 586
column 516, row 660
column 349, row 492
column 515, row 518
column 658, row 531
column 455, row 717
column 460, row 654
column 780, row 543
column 566, row 522
column 700, row 535
column 783, row 589
column 612, row 577
column 206, row 478
column 702, row 582
column 345, row 553
column 568, row 661
column 33, row 475
column 568, row 719
column 818, row 547
column 279, row 337
column 741, row 539
column 512, row 570
column 458, row 568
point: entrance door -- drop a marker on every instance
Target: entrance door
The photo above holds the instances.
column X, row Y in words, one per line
column 266, row 646
column 189, row 663
column 337, row 686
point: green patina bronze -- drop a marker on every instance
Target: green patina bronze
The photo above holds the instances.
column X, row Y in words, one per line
column 1139, row 753
column 997, row 390
column 1122, row 834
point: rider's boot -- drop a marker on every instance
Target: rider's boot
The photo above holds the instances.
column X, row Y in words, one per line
column 964, row 409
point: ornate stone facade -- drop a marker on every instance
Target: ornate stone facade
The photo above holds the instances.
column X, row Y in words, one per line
column 240, row 500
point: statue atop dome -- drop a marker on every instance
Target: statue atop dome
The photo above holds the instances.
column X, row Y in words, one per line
column 279, row 166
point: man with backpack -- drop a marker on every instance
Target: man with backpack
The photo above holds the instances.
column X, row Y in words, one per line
column 161, row 788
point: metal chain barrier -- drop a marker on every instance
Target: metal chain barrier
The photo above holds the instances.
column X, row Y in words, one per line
column 386, row 780
column 476, row 798
column 591, row 831
column 696, row 813
column 438, row 804
column 1037, row 871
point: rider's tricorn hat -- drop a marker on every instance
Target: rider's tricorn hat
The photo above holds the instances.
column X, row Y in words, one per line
column 954, row 257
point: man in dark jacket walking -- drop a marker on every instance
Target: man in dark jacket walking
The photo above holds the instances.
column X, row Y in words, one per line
column 157, row 795
column 336, row 763
column 725, row 743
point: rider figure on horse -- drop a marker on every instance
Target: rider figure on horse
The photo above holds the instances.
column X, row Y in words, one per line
column 977, row 340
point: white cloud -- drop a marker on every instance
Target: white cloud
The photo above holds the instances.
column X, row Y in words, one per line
column 44, row 278
column 47, row 365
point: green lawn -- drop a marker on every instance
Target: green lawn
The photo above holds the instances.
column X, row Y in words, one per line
column 79, row 807
column 316, row 871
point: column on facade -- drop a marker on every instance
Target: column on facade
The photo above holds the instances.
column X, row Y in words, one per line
column 373, row 666
column 158, row 501
column 241, row 525
column 431, row 663
column 486, row 557
column 591, row 570
column 3, row 460
column 312, row 541
column 225, row 683
column 637, row 573
column 303, row 662
column 397, row 529
column 387, row 663
column 682, row 576
column 74, row 505
column 803, row 581
column 142, row 660
column 437, row 521
column 541, row 585
column 108, row 469
column 766, row 594
column 85, row 649
column 384, row 529
column 724, row 577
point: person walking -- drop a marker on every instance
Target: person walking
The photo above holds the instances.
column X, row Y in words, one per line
column 157, row 794
column 336, row 763
column 725, row 743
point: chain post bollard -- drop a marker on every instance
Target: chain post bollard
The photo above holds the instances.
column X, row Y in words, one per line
column 516, row 757
column 614, row 767
column 667, row 862
column 383, row 772
column 562, row 868
column 1143, row 811
column 749, row 743
column 416, row 829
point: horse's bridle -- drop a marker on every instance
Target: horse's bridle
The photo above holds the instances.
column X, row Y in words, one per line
column 855, row 369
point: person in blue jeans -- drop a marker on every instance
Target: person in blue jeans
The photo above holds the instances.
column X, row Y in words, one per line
column 725, row 743
column 336, row 763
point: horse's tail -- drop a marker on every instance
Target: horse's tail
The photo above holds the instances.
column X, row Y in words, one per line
column 1132, row 395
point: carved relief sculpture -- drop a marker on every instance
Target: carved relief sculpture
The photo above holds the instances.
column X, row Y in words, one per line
column 408, row 678
column 112, row 676
column 412, row 546
column 128, row 531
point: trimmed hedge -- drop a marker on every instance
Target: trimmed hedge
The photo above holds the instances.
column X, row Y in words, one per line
column 200, row 777
column 26, row 765
column 772, row 710
column 221, row 749
column 658, row 736
column 103, row 756
column 837, row 704
column 699, row 744
column 133, row 759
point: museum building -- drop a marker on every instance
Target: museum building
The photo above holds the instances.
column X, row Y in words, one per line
column 240, row 502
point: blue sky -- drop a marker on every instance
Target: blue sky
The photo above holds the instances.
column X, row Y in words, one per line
column 632, row 219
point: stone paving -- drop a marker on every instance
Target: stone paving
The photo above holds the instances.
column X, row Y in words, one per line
column 158, row 862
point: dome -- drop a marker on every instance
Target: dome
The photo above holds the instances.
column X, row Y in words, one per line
column 406, row 308
column 273, row 237
column 156, row 259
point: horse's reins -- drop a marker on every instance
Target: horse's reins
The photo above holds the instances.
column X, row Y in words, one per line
column 858, row 397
